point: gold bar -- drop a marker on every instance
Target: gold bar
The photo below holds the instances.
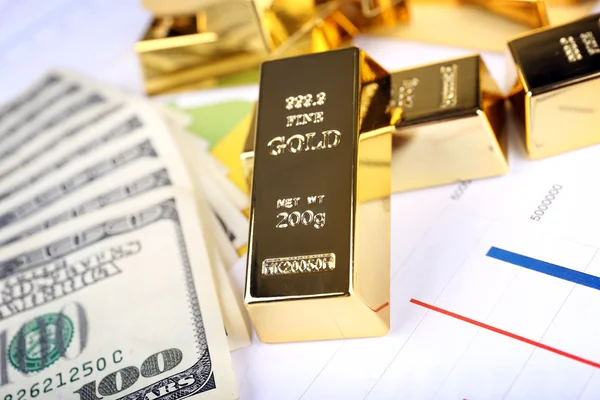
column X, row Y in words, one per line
column 451, row 129
column 558, row 93
column 452, row 126
column 221, row 39
column 564, row 11
column 223, row 43
column 318, row 255
column 462, row 22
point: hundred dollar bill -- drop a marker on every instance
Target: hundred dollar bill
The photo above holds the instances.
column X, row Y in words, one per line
column 114, row 305
column 104, row 165
column 82, row 107
column 133, row 188
column 30, row 113
column 33, row 118
column 44, row 162
column 76, row 182
column 47, row 97
column 230, row 216
column 237, row 326
column 28, row 96
column 235, row 317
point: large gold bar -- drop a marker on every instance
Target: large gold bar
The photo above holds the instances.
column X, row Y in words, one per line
column 558, row 93
column 452, row 126
column 318, row 255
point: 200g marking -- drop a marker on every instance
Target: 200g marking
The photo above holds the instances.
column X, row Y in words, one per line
column 296, row 218
column 537, row 214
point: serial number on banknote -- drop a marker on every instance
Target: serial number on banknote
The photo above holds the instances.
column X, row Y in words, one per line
column 49, row 384
column 116, row 380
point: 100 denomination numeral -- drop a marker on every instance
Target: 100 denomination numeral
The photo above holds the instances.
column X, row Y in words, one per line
column 305, row 101
column 128, row 376
column 305, row 218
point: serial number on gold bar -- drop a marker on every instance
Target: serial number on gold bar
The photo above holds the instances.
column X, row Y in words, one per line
column 299, row 264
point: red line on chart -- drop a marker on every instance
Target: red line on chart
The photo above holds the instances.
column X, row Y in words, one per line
column 505, row 333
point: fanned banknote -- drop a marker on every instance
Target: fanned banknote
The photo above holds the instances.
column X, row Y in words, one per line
column 115, row 236
column 115, row 305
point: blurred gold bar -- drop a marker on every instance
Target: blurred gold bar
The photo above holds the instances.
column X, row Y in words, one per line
column 318, row 263
column 452, row 126
column 564, row 11
column 558, row 93
column 226, row 40
column 222, row 39
column 478, row 24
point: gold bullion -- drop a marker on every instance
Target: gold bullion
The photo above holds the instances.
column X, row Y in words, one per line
column 224, row 38
column 563, row 11
column 318, row 254
column 558, row 91
column 479, row 24
column 452, row 126
column 225, row 42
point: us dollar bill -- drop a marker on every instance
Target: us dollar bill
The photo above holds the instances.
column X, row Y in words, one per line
column 235, row 318
column 27, row 96
column 231, row 218
column 236, row 323
column 76, row 182
column 36, row 112
column 10, row 147
column 119, row 130
column 114, row 305
column 139, row 186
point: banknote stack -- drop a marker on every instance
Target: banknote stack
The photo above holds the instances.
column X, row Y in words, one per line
column 113, row 250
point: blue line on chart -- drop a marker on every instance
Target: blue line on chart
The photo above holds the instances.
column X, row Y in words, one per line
column 580, row 278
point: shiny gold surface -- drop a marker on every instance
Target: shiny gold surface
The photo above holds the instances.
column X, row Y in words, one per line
column 452, row 127
column 346, row 293
column 247, row 154
column 564, row 11
column 220, row 40
column 224, row 42
column 558, row 94
column 441, row 142
column 478, row 24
